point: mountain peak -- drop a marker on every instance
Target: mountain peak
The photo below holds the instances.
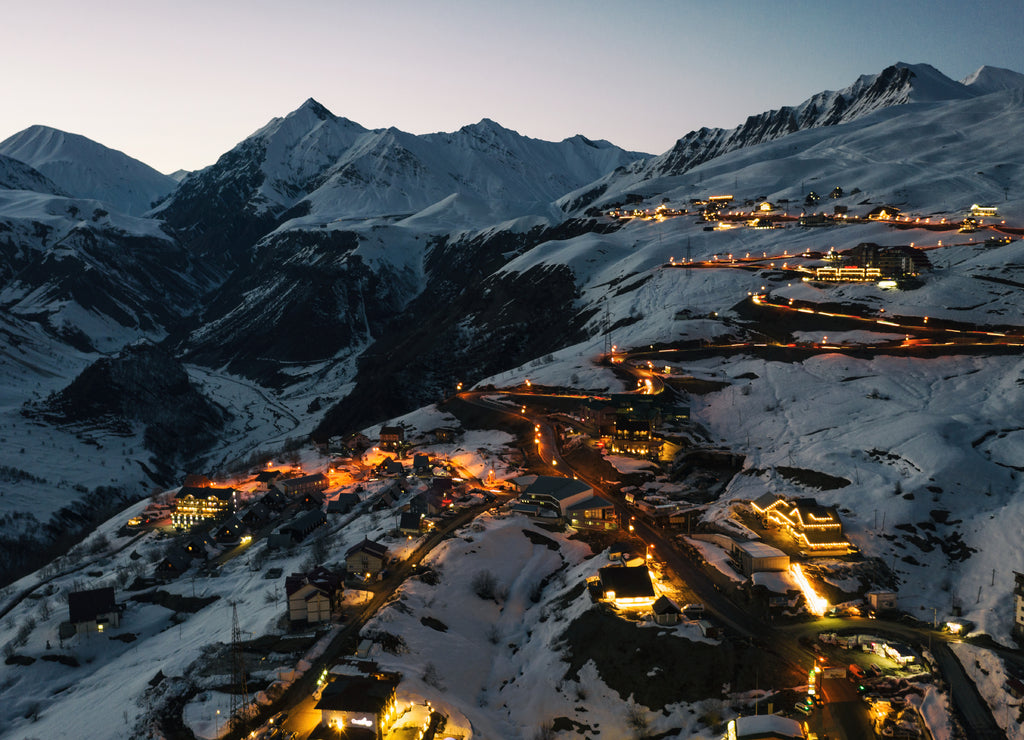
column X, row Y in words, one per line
column 313, row 106
column 993, row 79
column 87, row 169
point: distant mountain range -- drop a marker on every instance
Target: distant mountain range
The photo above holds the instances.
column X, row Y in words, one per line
column 318, row 256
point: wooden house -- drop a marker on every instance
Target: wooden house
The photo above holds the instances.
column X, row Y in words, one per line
column 666, row 612
column 391, row 438
column 93, row 611
column 368, row 558
column 313, row 597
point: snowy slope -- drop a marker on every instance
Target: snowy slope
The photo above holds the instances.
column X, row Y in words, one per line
column 87, row 169
column 16, row 175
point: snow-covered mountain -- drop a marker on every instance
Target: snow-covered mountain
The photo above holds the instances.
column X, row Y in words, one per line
column 86, row 169
column 899, row 84
column 16, row 175
column 993, row 79
column 351, row 274
column 313, row 168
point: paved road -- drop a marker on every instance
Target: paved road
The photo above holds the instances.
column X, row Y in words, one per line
column 302, row 690
column 846, row 717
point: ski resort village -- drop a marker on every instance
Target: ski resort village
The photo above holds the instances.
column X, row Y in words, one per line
column 364, row 434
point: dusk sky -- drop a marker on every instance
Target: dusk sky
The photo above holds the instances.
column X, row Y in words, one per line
column 178, row 84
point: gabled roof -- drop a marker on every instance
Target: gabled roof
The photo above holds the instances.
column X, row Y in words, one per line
column 308, row 520
column 176, row 560
column 370, row 548
column 268, row 476
column 303, row 479
column 767, row 501
column 665, row 605
column 409, row 520
column 824, row 537
column 627, row 582
column 319, row 577
column 85, row 606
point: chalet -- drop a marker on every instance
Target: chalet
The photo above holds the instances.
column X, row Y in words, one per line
column 357, row 442
column 303, row 525
column 257, row 515
column 817, row 529
column 443, row 434
column 984, row 211
column 174, row 564
column 275, row 500
column 766, row 503
column 430, row 502
column 389, row 468
column 94, row 610
column 421, row 464
column 200, row 545
column 391, row 438
column 556, row 495
column 765, row 206
column 313, row 596
column 363, row 704
column 410, row 524
column 666, row 611
column 194, row 505
column 368, row 558
column 230, row 530
column 626, row 587
column 312, row 500
column 302, row 485
column 266, row 478
column 343, row 503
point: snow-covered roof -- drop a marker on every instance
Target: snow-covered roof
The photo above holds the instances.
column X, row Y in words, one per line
column 768, row 726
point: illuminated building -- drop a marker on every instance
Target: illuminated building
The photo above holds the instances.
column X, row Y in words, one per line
column 818, row 529
column 193, row 505
column 368, row 557
column 303, row 484
column 627, row 587
column 633, row 434
column 359, row 705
